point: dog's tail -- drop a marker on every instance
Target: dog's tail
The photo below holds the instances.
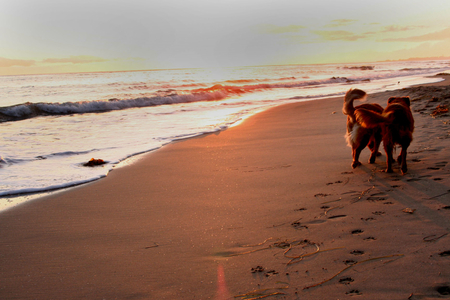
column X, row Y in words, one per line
column 371, row 119
column 350, row 96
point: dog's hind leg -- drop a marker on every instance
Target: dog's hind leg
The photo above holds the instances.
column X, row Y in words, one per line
column 402, row 159
column 374, row 145
column 356, row 151
column 389, row 158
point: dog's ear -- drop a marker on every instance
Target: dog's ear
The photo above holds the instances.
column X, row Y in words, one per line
column 407, row 100
column 399, row 100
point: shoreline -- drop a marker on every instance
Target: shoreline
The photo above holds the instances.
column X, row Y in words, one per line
column 216, row 221
column 23, row 198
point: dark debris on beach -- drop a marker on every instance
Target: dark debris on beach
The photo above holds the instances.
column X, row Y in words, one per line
column 94, row 162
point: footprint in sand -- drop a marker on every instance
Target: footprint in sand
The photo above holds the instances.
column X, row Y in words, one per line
column 337, row 216
column 377, row 197
column 322, row 195
column 438, row 165
column 300, row 209
column 270, row 273
column 353, row 292
column 346, row 280
column 425, row 176
column 298, row 225
column 258, row 269
column 443, row 289
column 330, row 183
column 379, row 213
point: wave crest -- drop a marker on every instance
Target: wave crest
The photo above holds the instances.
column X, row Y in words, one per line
column 30, row 110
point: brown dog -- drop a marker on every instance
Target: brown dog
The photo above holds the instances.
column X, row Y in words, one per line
column 358, row 137
column 397, row 123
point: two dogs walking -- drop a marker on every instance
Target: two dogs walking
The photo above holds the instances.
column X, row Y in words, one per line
column 368, row 124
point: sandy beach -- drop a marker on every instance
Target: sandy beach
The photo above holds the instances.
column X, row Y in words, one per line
column 269, row 208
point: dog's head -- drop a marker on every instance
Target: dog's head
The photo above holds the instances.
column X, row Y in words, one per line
column 405, row 101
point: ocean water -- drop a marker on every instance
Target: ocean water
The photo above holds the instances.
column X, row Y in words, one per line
column 50, row 125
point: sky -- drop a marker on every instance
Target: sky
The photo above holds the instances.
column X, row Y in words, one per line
column 54, row 36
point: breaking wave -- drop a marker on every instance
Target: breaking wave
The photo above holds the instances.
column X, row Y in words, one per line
column 30, row 110
column 214, row 93
column 174, row 96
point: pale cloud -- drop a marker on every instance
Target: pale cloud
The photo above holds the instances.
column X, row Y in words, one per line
column 6, row 62
column 434, row 36
column 339, row 35
column 80, row 59
column 431, row 50
column 340, row 22
column 274, row 29
column 396, row 28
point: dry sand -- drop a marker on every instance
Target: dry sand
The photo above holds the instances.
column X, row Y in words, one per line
column 270, row 205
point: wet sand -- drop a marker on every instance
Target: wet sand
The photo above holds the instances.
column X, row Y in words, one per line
column 271, row 205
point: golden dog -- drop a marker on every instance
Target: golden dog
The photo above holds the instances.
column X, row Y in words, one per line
column 358, row 137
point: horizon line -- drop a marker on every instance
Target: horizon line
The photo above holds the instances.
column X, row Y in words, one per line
column 243, row 66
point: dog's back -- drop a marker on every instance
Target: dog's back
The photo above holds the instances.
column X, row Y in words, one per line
column 396, row 113
column 352, row 119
